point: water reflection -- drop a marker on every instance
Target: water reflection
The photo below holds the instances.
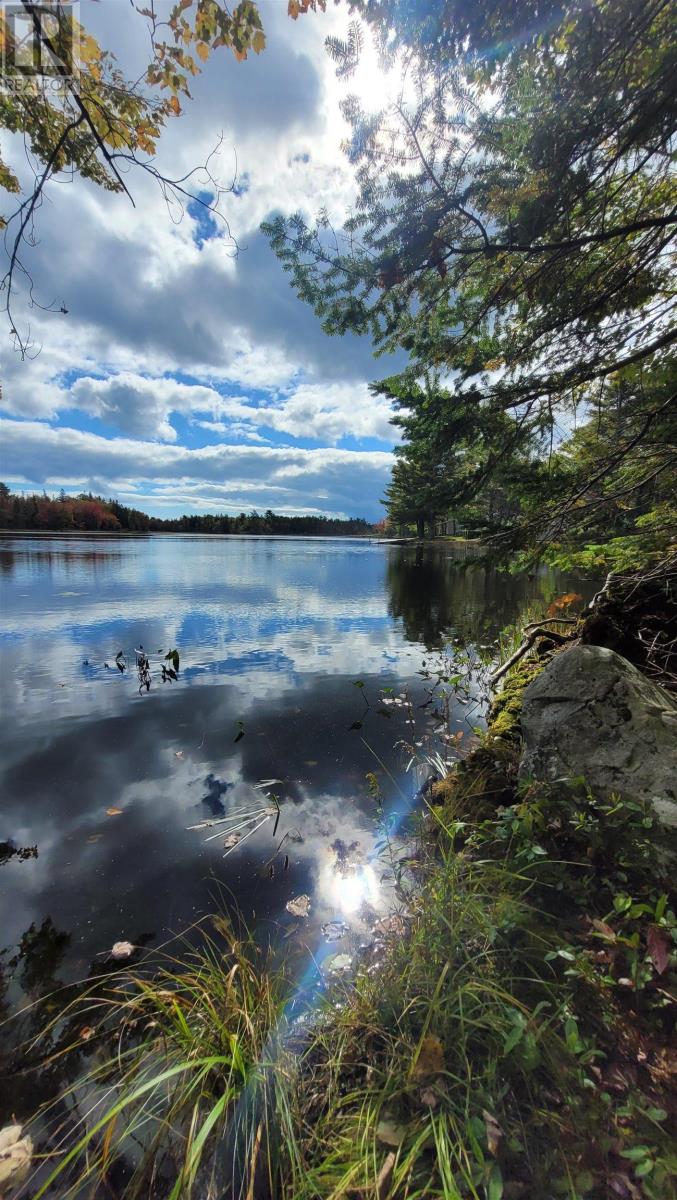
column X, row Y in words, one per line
column 273, row 635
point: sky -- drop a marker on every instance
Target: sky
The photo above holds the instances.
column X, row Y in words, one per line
column 184, row 377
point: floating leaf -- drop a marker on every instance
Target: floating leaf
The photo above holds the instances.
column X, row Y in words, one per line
column 299, row 906
column 15, row 1155
column 340, row 963
column 113, row 812
column 87, row 1032
column 333, row 930
column 231, row 840
column 122, row 950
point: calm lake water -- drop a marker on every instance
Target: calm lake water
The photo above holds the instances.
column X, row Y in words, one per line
column 273, row 636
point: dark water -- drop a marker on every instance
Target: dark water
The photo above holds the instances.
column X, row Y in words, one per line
column 273, row 635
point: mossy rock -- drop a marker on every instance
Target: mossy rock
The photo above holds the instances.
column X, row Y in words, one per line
column 506, row 709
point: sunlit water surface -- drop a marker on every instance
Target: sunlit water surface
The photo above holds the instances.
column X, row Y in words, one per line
column 273, row 636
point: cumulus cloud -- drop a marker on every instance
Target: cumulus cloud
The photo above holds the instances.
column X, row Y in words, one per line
column 163, row 324
column 291, row 479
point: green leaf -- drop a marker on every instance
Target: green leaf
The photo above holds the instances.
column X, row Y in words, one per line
column 495, row 1185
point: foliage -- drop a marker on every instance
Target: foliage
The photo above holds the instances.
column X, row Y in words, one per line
column 512, row 229
column 92, row 513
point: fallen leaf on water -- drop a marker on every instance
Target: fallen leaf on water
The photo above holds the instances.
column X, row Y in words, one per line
column 299, row 906
column 87, row 1032
column 94, row 837
column 113, row 812
column 493, row 1130
column 389, row 1133
column 231, row 840
column 333, row 930
column 339, row 963
column 430, row 1061
column 178, row 754
column 122, row 949
column 15, row 1155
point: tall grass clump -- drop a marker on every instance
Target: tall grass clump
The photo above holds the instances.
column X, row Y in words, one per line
column 181, row 1091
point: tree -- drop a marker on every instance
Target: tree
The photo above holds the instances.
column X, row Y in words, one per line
column 515, row 204
column 610, row 495
column 80, row 115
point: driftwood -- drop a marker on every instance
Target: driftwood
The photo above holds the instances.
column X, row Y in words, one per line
column 533, row 632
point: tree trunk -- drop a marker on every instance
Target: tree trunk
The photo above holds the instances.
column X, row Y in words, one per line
column 420, row 526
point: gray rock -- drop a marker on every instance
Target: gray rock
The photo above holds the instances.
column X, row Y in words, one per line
column 591, row 714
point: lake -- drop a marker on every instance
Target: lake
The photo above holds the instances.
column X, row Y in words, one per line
column 287, row 648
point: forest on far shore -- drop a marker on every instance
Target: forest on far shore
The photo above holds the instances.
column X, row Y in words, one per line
column 91, row 514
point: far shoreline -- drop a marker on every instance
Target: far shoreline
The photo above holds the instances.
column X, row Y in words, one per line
column 445, row 540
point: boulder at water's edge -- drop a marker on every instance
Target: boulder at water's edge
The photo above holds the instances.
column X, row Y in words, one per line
column 591, row 714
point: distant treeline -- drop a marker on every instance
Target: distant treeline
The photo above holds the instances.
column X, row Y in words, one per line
column 91, row 513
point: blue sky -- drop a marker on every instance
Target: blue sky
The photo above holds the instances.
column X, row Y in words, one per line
column 187, row 377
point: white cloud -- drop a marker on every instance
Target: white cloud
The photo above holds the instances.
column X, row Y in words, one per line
column 290, row 479
column 145, row 302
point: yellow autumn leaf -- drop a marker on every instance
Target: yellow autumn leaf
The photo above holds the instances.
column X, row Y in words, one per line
column 258, row 41
column 203, row 50
column 90, row 51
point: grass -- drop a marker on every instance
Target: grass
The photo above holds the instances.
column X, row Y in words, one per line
column 187, row 1055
